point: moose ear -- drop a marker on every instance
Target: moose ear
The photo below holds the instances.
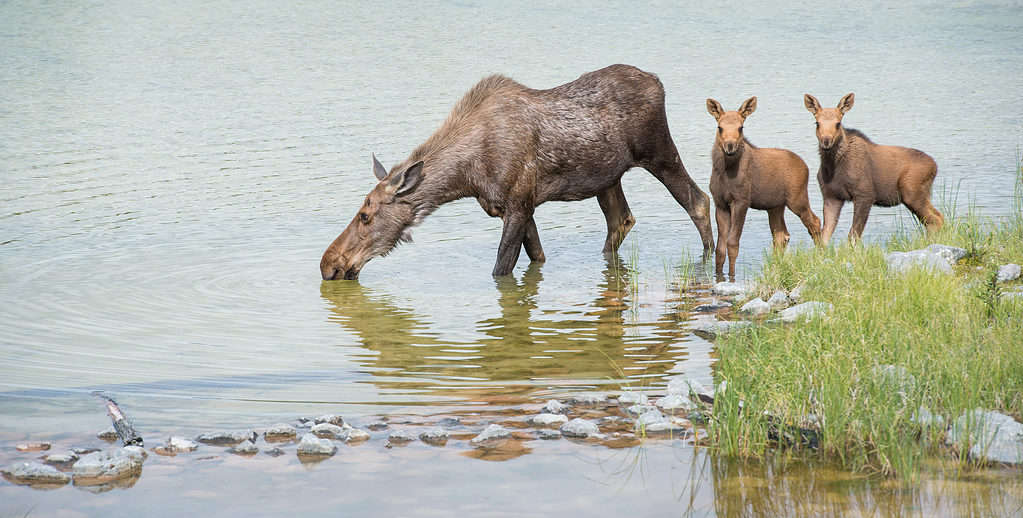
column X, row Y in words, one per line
column 378, row 169
column 748, row 107
column 846, row 103
column 408, row 180
column 812, row 104
column 714, row 109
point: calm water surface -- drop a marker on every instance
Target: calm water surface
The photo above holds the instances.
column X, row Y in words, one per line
column 172, row 173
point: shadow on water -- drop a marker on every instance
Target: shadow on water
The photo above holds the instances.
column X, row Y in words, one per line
column 526, row 349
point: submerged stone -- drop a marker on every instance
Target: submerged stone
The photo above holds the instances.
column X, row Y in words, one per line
column 434, row 436
column 710, row 328
column 376, row 426
column 101, row 467
column 554, row 406
column 588, row 399
column 632, row 398
column 756, row 307
column 711, row 307
column 29, row 473
column 179, row 444
column 638, row 410
column 675, row 402
column 226, row 438
column 991, row 436
column 280, row 432
column 690, row 388
column 547, row 435
column 64, row 457
column 274, row 452
column 450, row 422
column 314, row 446
column 327, row 430
column 778, row 300
column 1008, row 272
column 579, row 427
column 805, row 311
column 245, row 448
column 731, row 289
column 491, row 432
column 548, row 419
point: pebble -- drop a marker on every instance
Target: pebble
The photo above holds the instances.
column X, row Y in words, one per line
column 26, row 473
column 548, row 419
column 280, row 432
column 579, row 427
column 434, row 436
column 313, row 445
column 328, row 430
column 491, row 432
column 103, row 466
column 180, row 444
column 245, row 448
column 333, row 419
column 554, row 406
column 33, row 446
column 756, row 307
column 226, row 438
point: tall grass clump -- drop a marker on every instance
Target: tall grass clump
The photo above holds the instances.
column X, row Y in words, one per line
column 893, row 343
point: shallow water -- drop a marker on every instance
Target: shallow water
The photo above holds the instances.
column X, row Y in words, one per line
column 171, row 175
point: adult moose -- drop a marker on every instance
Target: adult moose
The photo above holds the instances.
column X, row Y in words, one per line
column 745, row 176
column 513, row 148
column 854, row 168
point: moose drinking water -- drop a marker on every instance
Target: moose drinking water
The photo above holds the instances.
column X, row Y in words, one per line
column 514, row 148
column 745, row 176
column 854, row 168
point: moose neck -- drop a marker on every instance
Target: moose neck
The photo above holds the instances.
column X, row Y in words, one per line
column 724, row 162
column 444, row 180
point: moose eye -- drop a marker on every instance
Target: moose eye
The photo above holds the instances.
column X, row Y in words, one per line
column 837, row 124
column 817, row 124
column 740, row 129
column 719, row 129
column 363, row 217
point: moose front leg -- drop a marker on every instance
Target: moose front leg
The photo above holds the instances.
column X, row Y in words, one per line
column 512, row 237
column 861, row 210
column 531, row 242
column 735, row 224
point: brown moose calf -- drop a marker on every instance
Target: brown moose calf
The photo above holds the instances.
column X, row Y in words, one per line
column 854, row 168
column 745, row 176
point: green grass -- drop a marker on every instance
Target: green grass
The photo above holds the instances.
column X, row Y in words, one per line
column 962, row 344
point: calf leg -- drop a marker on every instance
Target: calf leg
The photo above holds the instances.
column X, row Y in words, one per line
column 531, row 242
column 735, row 224
column 861, row 210
column 619, row 217
column 723, row 216
column 515, row 224
column 776, row 218
column 920, row 205
column 667, row 167
column 809, row 219
column 832, row 209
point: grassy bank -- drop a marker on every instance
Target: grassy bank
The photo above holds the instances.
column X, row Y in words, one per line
column 961, row 343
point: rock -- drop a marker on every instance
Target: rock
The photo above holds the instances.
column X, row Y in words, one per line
column 632, row 398
column 312, row 445
column 330, row 419
column 666, row 427
column 450, row 422
column 638, row 410
column 548, row 419
column 554, row 406
column 226, row 438
column 712, row 307
column 401, row 437
column 805, row 311
column 690, row 388
column 30, row 473
column 547, row 435
column 280, row 432
column 938, row 258
column 612, row 420
column 61, row 458
column 756, row 307
column 579, row 427
column 245, row 448
column 490, row 433
column 434, row 436
column 991, row 436
column 327, row 430
column 676, row 402
column 353, row 435
column 730, row 289
column 377, row 426
column 649, row 418
column 109, row 435
column 102, row 466
column 305, row 422
column 588, row 400
column 83, row 451
column 895, row 378
column 778, row 300
column 796, row 294
column 924, row 417
column 1008, row 272
column 34, row 446
column 712, row 328
column 274, row 452
column 179, row 444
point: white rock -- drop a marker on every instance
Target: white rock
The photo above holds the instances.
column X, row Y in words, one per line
column 1008, row 272
column 355, row 435
column 778, row 300
column 756, row 307
column 924, row 417
column 649, row 418
column 554, row 406
column 313, row 445
column 245, row 448
column 675, row 402
column 632, row 398
column 588, row 399
column 327, row 430
column 638, row 410
column 181, row 444
column 333, row 419
column 688, row 387
column 435, row 436
column 730, row 289
column 280, row 432
column 227, row 438
column 100, row 467
column 34, row 473
column 712, row 328
column 65, row 457
column 401, row 436
column 951, row 254
column 797, row 293
column 546, row 434
column 992, row 436
column 579, row 427
column 805, row 311
column 491, row 432
column 939, row 258
column 548, row 419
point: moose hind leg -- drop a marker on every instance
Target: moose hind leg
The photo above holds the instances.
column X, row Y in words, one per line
column 512, row 237
column 776, row 218
column 619, row 217
column 531, row 242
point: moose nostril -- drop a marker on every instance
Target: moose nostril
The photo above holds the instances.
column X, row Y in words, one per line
column 329, row 275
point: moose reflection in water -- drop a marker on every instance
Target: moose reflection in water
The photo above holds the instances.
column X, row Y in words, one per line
column 523, row 350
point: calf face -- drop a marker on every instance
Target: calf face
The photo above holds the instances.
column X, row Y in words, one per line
column 829, row 120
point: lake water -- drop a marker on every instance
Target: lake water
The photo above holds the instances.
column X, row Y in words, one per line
column 172, row 173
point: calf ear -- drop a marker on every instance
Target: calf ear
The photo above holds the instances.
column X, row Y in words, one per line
column 811, row 103
column 846, row 103
column 748, row 107
column 378, row 169
column 714, row 109
column 408, row 180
